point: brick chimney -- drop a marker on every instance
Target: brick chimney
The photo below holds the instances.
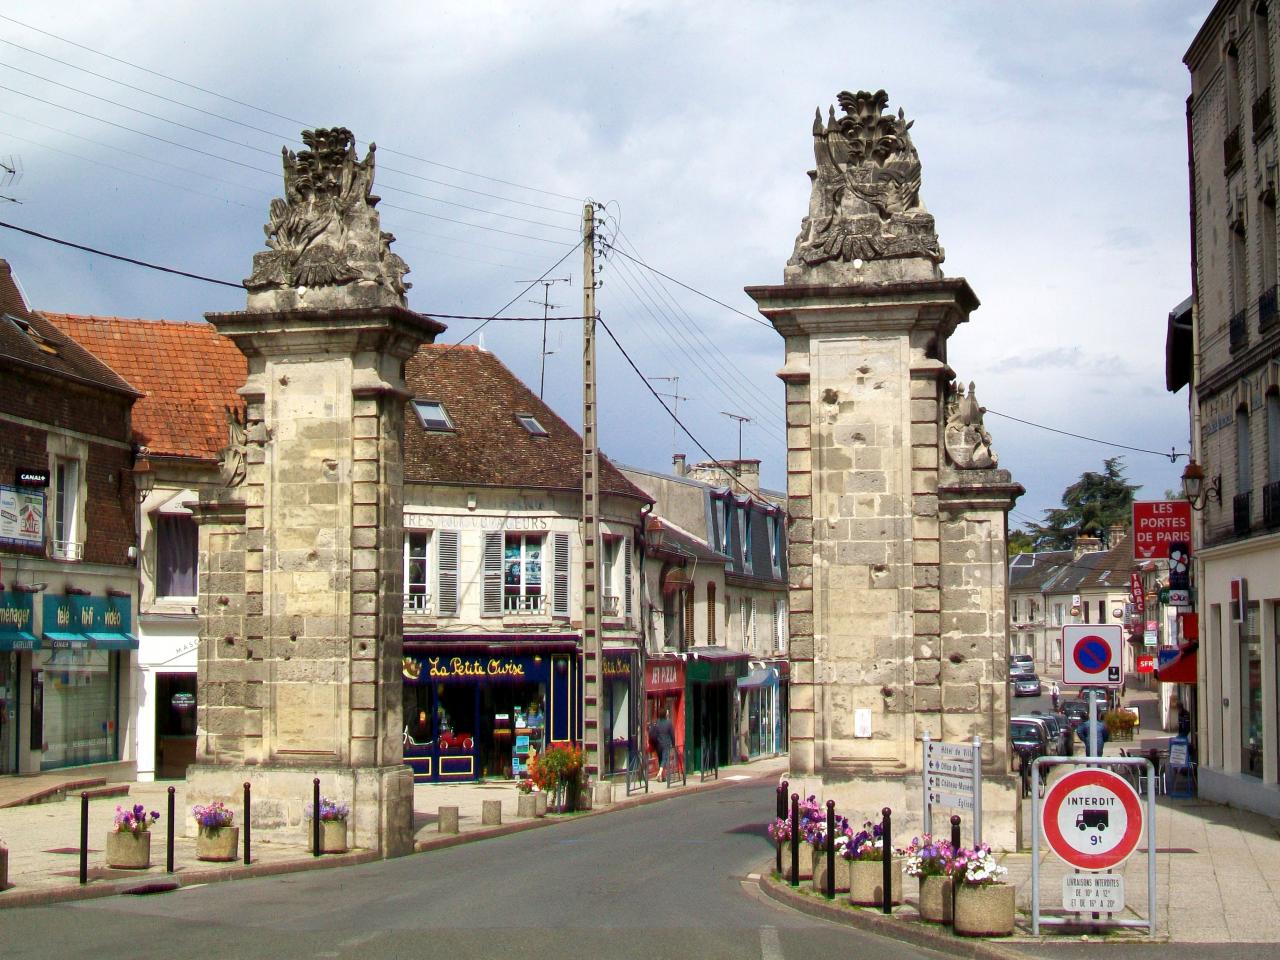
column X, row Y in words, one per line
column 677, row 465
column 1086, row 545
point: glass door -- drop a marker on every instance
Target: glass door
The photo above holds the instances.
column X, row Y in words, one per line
column 8, row 713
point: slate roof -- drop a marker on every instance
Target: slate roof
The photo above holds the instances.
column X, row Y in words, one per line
column 1098, row 570
column 63, row 357
column 187, row 372
column 1031, row 571
column 488, row 446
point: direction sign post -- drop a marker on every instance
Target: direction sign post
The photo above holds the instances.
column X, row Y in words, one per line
column 951, row 776
column 1092, row 819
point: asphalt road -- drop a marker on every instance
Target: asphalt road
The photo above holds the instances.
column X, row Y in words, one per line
column 664, row 880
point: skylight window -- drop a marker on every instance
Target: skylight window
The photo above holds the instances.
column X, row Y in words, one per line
column 432, row 415
column 32, row 334
column 530, row 423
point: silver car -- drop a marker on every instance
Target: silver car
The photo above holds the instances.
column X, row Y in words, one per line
column 1027, row 686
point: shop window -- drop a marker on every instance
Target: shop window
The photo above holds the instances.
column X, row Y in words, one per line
column 711, row 613
column 67, row 544
column 522, row 573
column 79, row 691
column 417, row 571
column 176, row 552
column 1251, row 692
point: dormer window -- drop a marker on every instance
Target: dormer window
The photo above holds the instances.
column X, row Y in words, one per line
column 32, row 334
column 530, row 423
column 433, row 416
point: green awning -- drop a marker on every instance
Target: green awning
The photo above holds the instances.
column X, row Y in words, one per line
column 55, row 641
column 18, row 640
column 113, row 641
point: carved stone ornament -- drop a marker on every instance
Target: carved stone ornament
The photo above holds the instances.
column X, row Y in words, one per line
column 241, row 435
column 865, row 204
column 326, row 245
column 966, row 439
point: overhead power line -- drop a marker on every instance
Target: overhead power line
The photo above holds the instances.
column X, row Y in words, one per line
column 681, row 283
column 1172, row 456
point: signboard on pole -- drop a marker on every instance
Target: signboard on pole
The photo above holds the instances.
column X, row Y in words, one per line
column 1137, row 593
column 952, row 777
column 1093, row 654
column 1145, row 662
column 1157, row 524
column 1093, row 892
column 1092, row 819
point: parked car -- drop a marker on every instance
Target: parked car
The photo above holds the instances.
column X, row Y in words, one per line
column 1057, row 728
column 1027, row 686
column 1052, row 738
column 1029, row 738
column 1106, row 697
column 1021, row 664
column 1076, row 712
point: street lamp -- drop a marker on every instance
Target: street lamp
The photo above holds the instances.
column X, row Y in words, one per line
column 1195, row 490
column 144, row 479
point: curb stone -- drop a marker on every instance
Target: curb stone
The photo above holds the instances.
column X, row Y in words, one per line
column 892, row 928
column 14, row 897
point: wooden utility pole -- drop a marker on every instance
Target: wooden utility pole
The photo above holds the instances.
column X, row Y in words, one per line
column 592, row 659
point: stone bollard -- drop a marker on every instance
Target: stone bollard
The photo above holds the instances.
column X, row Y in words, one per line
column 526, row 805
column 448, row 820
column 540, row 804
column 4, row 868
column 491, row 813
column 603, row 794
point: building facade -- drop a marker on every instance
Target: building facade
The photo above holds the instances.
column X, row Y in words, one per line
column 1230, row 357
column 67, row 547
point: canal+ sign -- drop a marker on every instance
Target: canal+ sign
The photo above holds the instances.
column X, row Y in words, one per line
column 1157, row 524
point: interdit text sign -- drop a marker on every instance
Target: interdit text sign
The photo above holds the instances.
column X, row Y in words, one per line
column 1158, row 523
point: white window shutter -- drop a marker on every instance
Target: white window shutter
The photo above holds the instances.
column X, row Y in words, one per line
column 447, row 573
column 626, row 577
column 752, row 638
column 560, row 589
column 493, row 542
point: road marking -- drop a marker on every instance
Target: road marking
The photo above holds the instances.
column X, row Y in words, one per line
column 770, row 945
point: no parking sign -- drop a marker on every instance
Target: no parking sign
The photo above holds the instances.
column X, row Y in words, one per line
column 1092, row 654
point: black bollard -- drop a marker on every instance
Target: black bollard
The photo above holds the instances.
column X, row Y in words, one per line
column 886, row 840
column 248, row 822
column 955, row 831
column 780, row 813
column 795, row 839
column 84, row 838
column 315, row 817
column 831, row 850
column 168, row 840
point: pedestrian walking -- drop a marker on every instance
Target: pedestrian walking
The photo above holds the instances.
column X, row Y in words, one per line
column 665, row 736
column 1054, row 694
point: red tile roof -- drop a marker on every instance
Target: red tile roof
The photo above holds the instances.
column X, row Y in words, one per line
column 488, row 446
column 50, row 350
column 188, row 373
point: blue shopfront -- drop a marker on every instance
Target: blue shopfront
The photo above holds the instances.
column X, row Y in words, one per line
column 482, row 708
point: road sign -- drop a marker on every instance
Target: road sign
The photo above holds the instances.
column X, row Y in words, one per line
column 1145, row 662
column 1092, row 653
column 952, row 777
column 937, row 781
column 1092, row 819
column 958, row 801
column 1093, row 892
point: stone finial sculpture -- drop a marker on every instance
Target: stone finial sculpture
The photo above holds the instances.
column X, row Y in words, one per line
column 866, row 221
column 327, row 248
column 967, row 441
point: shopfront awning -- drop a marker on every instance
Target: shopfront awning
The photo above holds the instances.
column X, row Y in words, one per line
column 1182, row 668
column 112, row 641
column 759, row 677
column 18, row 640
column 715, row 664
column 55, row 640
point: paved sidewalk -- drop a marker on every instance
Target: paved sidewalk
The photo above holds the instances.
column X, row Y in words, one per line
column 43, row 839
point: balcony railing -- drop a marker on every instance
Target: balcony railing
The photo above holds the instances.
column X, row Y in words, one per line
column 1232, row 154
column 66, row 549
column 529, row 603
column 610, row 606
column 1262, row 114
column 1241, row 513
column 417, row 603
column 1238, row 331
column 1271, row 505
column 1267, row 310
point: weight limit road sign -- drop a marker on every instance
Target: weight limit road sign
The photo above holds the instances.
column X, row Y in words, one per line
column 1092, row 819
column 1092, row 653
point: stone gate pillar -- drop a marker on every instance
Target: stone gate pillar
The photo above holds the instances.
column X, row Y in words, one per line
column 897, row 507
column 301, row 596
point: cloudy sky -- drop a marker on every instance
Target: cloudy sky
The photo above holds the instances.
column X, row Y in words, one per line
column 1052, row 136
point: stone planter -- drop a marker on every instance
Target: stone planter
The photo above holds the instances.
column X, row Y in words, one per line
column 526, row 805
column 935, row 899
column 820, row 873
column 984, row 910
column 806, row 861
column 866, row 882
column 127, row 850
column 333, row 836
column 539, row 804
column 217, row 844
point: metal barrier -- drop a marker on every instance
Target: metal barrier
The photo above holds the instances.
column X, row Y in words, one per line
column 637, row 772
column 708, row 750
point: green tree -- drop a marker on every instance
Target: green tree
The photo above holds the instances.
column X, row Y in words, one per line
column 1020, row 541
column 1091, row 505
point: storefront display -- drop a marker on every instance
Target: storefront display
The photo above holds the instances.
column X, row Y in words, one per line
column 619, row 720
column 485, row 710
column 664, row 692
